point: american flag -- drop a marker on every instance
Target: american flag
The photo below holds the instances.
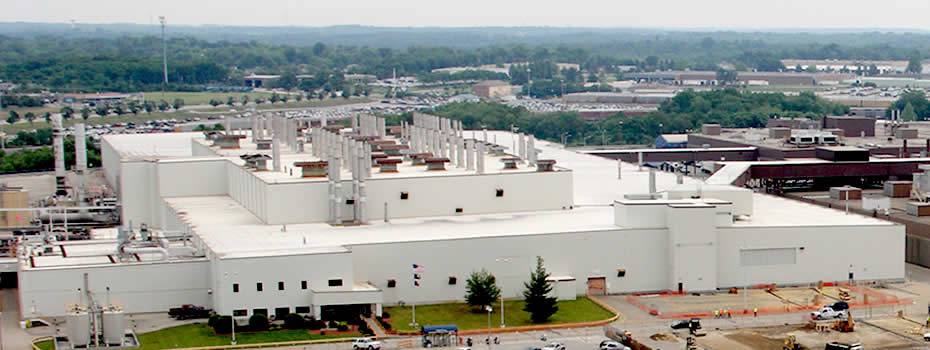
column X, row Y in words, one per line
column 418, row 268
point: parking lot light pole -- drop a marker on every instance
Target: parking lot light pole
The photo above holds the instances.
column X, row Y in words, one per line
column 232, row 321
column 488, row 341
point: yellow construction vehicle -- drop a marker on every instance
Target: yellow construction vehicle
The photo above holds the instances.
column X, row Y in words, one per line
column 791, row 343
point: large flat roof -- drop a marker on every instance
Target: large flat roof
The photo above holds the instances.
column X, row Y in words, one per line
column 232, row 231
column 155, row 145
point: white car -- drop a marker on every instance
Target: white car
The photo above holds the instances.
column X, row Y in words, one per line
column 365, row 344
column 554, row 346
column 612, row 345
column 827, row 313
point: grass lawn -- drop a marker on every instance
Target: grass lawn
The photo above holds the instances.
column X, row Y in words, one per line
column 198, row 334
column 460, row 314
column 201, row 98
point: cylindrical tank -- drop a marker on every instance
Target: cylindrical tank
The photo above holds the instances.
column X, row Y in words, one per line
column 114, row 326
column 78, row 325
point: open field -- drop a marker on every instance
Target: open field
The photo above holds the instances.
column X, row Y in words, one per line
column 199, row 334
column 460, row 314
column 201, row 98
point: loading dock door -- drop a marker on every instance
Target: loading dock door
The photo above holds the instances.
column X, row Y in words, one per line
column 597, row 285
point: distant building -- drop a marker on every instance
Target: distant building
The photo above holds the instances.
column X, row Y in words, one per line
column 493, row 89
column 360, row 78
column 98, row 98
column 871, row 112
column 672, row 141
column 259, row 80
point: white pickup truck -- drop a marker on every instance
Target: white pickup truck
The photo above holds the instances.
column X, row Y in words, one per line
column 366, row 344
column 827, row 313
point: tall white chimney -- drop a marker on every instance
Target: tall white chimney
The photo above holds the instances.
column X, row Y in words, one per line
column 469, row 154
column 480, row 157
column 58, row 143
column 80, row 162
column 460, row 152
column 531, row 149
column 276, row 147
column 652, row 181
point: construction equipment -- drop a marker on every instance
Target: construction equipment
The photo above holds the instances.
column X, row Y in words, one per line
column 791, row 343
column 845, row 326
column 690, row 344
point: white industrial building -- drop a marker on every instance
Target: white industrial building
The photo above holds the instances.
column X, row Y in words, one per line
column 244, row 237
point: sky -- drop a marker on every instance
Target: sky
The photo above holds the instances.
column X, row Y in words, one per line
column 680, row 14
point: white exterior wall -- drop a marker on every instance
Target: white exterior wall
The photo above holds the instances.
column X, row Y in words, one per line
column 878, row 253
column 110, row 160
column 151, row 287
column 511, row 259
column 199, row 149
column 692, row 248
column 316, row 269
column 137, row 192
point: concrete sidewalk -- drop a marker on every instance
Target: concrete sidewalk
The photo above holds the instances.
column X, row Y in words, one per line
column 11, row 336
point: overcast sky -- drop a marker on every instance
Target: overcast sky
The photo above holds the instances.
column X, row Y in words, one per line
column 742, row 14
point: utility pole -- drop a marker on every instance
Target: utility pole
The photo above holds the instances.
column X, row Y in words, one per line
column 164, row 55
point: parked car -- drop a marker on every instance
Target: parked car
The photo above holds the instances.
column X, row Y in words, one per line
column 554, row 346
column 612, row 345
column 366, row 343
column 843, row 346
column 840, row 306
column 692, row 324
column 827, row 313
column 188, row 312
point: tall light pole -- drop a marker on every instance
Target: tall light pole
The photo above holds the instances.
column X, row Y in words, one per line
column 529, row 81
column 164, row 54
column 489, row 309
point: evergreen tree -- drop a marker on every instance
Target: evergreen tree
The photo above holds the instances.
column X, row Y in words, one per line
column 909, row 114
column 481, row 289
column 538, row 303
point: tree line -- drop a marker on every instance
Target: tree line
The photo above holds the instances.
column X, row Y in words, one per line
column 684, row 113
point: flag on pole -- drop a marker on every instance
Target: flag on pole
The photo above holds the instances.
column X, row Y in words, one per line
column 417, row 270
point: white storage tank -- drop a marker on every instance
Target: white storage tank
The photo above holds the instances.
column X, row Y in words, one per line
column 78, row 327
column 114, row 326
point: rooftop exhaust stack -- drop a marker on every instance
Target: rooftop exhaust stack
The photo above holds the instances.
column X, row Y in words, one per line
column 80, row 154
column 480, row 157
column 531, row 149
column 58, row 143
column 275, row 148
column 652, row 181
column 469, row 155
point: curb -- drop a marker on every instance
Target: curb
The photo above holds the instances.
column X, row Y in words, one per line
column 516, row 329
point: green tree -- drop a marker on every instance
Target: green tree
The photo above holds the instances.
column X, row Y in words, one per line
column 917, row 99
column 481, row 289
column 230, row 101
column 13, row 118
column 177, row 104
column 30, row 117
column 909, row 114
column 299, row 97
column 163, row 105
column 274, row 98
column 287, row 81
column 47, row 116
column 67, row 112
column 538, row 301
column 85, row 113
column 102, row 110
column 284, row 98
column 914, row 65
column 214, row 102
column 245, row 100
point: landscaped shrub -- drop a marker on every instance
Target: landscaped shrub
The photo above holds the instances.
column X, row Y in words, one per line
column 342, row 327
column 385, row 314
column 221, row 324
column 365, row 330
column 315, row 324
column 258, row 323
column 332, row 324
column 294, row 321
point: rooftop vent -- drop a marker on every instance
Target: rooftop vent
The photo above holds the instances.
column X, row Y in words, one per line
column 436, row 164
column 510, row 163
column 263, row 144
column 419, row 158
column 313, row 169
column 545, row 165
column 227, row 141
column 389, row 165
column 258, row 162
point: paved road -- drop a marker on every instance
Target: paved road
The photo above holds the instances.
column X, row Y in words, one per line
column 11, row 336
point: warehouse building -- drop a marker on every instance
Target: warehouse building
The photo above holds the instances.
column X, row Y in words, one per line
column 329, row 221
